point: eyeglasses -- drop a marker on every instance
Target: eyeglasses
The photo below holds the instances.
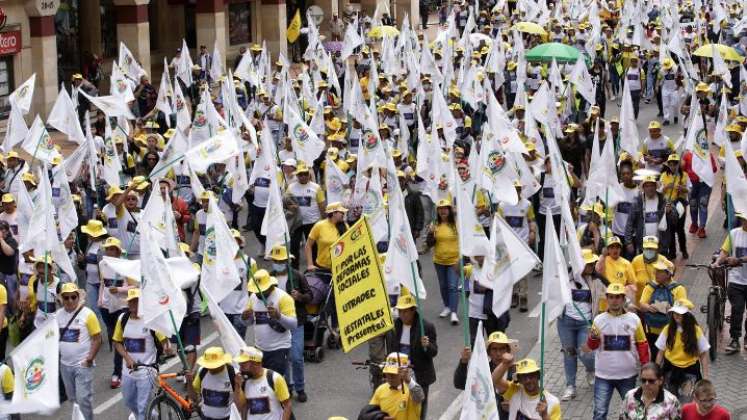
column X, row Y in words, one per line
column 649, row 380
column 70, row 297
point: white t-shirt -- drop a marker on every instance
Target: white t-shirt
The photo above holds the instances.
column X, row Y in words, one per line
column 622, row 210
column 76, row 341
column 306, row 197
column 651, row 216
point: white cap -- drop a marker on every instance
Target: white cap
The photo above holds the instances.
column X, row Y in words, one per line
column 290, row 162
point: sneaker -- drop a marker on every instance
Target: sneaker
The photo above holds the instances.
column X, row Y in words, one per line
column 701, row 233
column 685, row 255
column 732, row 347
column 444, row 313
column 115, row 383
column 590, row 378
column 301, row 396
column 569, row 393
column 693, row 228
column 454, row 319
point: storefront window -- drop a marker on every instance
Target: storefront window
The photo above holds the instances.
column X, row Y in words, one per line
column 68, row 46
column 239, row 23
column 109, row 29
column 6, row 84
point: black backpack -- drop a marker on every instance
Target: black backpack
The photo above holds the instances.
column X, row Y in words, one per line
column 159, row 347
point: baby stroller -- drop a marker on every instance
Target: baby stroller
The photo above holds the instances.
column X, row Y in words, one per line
column 320, row 311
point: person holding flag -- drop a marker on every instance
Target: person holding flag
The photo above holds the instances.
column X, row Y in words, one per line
column 520, row 217
column 400, row 397
column 310, row 198
column 524, row 396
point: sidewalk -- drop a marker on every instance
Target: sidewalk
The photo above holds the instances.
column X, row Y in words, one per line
column 727, row 372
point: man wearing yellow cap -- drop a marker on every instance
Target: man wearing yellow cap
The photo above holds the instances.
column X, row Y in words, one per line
column 80, row 341
column 14, row 168
column 656, row 147
column 310, row 198
column 656, row 299
column 10, row 215
column 646, row 216
column 524, row 395
column 260, row 393
column 619, row 344
column 400, row 397
column 213, row 385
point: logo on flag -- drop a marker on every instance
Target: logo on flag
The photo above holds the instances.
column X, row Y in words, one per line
column 210, row 248
column 23, row 91
column 334, row 185
column 370, row 140
column 179, row 103
column 400, row 241
column 121, row 85
column 35, row 374
column 496, row 162
column 338, row 249
column 301, row 134
column 210, row 147
column 200, row 119
column 480, row 391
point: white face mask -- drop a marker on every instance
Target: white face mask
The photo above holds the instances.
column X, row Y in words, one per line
column 649, row 254
column 278, row 267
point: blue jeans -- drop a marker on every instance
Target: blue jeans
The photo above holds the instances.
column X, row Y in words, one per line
column 573, row 334
column 79, row 387
column 11, row 285
column 238, row 324
column 448, row 281
column 699, row 196
column 136, row 393
column 603, row 389
column 92, row 299
column 296, row 381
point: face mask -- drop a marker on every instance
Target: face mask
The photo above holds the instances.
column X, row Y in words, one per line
column 649, row 254
column 278, row 267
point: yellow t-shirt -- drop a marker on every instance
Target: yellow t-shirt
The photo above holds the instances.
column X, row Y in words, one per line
column 644, row 273
column 668, row 180
column 395, row 403
column 4, row 301
column 325, row 234
column 619, row 271
column 527, row 404
column 446, row 251
column 6, row 378
column 677, row 355
column 678, row 293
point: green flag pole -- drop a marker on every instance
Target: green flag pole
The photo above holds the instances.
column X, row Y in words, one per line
column 417, row 298
column 251, row 274
column 46, row 281
column 463, row 299
column 182, row 354
column 542, row 348
column 288, row 262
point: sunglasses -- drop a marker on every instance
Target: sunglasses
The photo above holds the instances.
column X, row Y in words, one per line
column 70, row 297
column 649, row 380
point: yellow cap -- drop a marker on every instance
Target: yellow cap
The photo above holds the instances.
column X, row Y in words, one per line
column 396, row 152
column 444, row 202
column 615, row 289
column 236, row 234
column 8, row 198
column 734, row 128
column 214, row 357
column 498, row 337
column 589, row 256
column 673, row 157
column 28, row 177
column 249, row 354
column 613, row 240
column 12, row 155
column 94, row 228
column 406, row 302
column 526, row 366
column 185, row 248
column 140, row 182
column 112, row 242
column 279, row 253
column 701, row 87
column 650, row 242
column 301, row 168
column 69, row 287
column 663, row 265
column 654, row 124
column 262, row 281
column 335, row 207
column 649, row 178
column 394, row 361
column 205, row 195
column 44, row 259
column 113, row 190
column 133, row 294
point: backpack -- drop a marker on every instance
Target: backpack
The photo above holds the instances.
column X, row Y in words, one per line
column 159, row 347
column 660, row 294
column 231, row 374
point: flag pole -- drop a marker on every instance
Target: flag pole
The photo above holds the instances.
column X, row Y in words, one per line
column 46, row 281
column 288, row 262
column 463, row 299
column 182, row 355
column 542, row 347
column 251, row 274
column 417, row 298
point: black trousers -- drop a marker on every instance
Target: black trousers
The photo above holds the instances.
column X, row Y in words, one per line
column 635, row 95
column 295, row 242
column 681, row 239
column 737, row 294
column 541, row 220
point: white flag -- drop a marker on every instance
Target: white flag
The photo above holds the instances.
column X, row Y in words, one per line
column 218, row 148
column 236, row 166
column 736, row 183
column 508, row 260
column 373, row 207
column 697, row 142
column 216, row 67
column 581, row 79
column 335, row 181
column 163, row 101
column 15, row 131
column 112, row 106
column 230, row 339
column 67, row 217
column 120, row 85
column 629, row 140
column 219, row 273
column 556, row 291
column 719, row 66
column 175, row 151
column 64, row 117
column 183, row 118
column 274, row 225
column 479, row 395
column 36, row 370
column 472, row 238
column 38, row 142
column 184, row 65
column 306, row 144
column 602, row 181
column 22, row 96
column 351, row 41
column 496, row 175
column 129, row 64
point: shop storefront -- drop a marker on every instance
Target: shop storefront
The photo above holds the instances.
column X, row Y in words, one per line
column 10, row 46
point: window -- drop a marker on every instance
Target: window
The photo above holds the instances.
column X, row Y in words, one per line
column 239, row 23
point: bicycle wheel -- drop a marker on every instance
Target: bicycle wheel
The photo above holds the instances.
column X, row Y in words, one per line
column 714, row 330
column 162, row 407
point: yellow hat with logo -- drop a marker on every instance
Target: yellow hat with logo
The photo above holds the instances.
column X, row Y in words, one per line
column 498, row 337
column 8, row 198
column 69, row 287
column 301, row 168
column 28, row 177
column 650, row 242
column 444, row 202
column 279, row 253
column 335, row 207
column 654, row 124
column 112, row 242
column 526, row 366
column 394, row 361
column 613, row 240
column 249, row 354
column 406, row 302
column 214, row 357
column 133, row 294
column 615, row 289
column 589, row 256
column 94, row 228
column 663, row 265
column 262, row 281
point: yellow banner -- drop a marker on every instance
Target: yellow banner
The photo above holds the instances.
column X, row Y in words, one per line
column 294, row 29
column 360, row 296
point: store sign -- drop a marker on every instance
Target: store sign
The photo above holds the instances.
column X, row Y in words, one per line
column 10, row 42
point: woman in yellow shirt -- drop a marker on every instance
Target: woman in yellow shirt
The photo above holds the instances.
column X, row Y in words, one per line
column 674, row 188
column 442, row 235
column 683, row 350
column 324, row 234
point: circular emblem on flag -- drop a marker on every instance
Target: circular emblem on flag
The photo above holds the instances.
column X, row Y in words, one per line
column 163, row 300
column 496, row 161
column 300, row 132
column 334, row 185
column 210, row 249
column 24, row 90
column 400, row 241
column 121, row 85
column 370, row 140
column 200, row 119
column 179, row 103
column 34, row 375
column 370, row 202
column 338, row 249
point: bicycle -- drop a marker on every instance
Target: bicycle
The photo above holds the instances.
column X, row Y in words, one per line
column 167, row 403
column 715, row 307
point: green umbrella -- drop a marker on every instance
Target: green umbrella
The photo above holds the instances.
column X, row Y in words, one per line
column 560, row 52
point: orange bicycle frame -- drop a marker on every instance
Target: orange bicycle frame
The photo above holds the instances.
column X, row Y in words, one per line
column 184, row 403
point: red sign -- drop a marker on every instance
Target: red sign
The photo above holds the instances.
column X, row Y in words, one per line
column 10, row 42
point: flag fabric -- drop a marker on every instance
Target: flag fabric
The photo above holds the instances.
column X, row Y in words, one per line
column 216, row 65
column 120, row 85
column 556, row 292
column 373, row 207
column 274, row 226
column 160, row 294
column 334, row 181
column 736, row 182
column 230, row 339
column 15, row 131
column 129, row 65
column 472, row 238
column 496, row 175
column 602, row 180
column 719, row 66
column 64, row 117
column 36, row 369
column 184, row 65
column 67, row 216
column 163, row 101
column 22, row 96
column 112, row 105
column 219, row 273
column 236, row 166
column 629, row 140
column 479, row 400
column 183, row 118
column 697, row 142
column 306, row 144
column 38, row 142
column 508, row 260
column 218, row 148
column 351, row 41
column 581, row 79
column 294, row 28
